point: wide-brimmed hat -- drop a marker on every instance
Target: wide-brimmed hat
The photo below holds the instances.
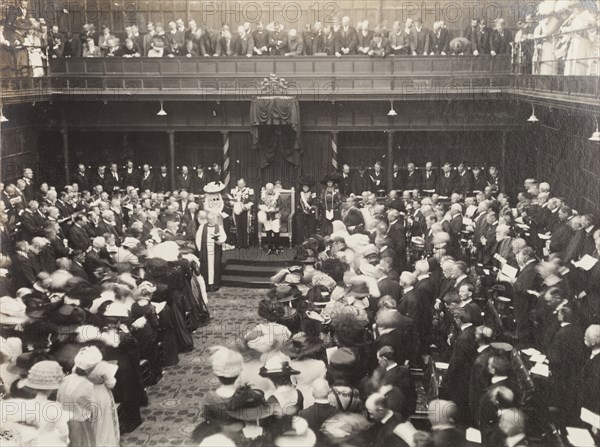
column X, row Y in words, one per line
column 284, row 293
column 334, row 177
column 319, row 295
column 305, row 255
column 12, row 310
column 248, row 404
column 277, row 366
column 68, row 315
column 306, row 180
column 359, row 289
column 264, row 337
column 301, row 345
column 87, row 357
column 117, row 310
column 11, row 347
column 38, row 306
column 214, row 187
column 44, row 375
column 226, row 362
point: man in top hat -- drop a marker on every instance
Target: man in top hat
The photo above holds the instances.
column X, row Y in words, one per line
column 209, row 242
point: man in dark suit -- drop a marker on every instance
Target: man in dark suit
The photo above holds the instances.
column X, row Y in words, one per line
column 23, row 269
column 100, row 177
column 478, row 181
column 200, row 180
column 376, row 178
column 443, row 415
column 416, row 307
column 278, row 41
column 465, row 180
column 501, row 39
column 396, row 178
column 471, row 32
column 582, row 242
column 163, row 181
column 425, row 285
column 29, row 189
column 81, row 178
column 588, row 390
column 412, row 180
column 566, row 354
column 130, row 176
column 429, row 178
column 562, row 231
column 32, row 221
column 321, row 410
column 381, row 434
column 347, row 39
column 78, row 238
column 456, row 378
column 112, row 182
column 261, row 40
column 326, row 43
column 448, row 181
column 484, row 35
column 399, row 332
column 345, row 183
column 360, row 181
column 396, row 232
column 106, row 225
column 480, row 377
column 147, row 180
column 439, row 40
column 399, row 376
column 528, row 278
column 184, row 180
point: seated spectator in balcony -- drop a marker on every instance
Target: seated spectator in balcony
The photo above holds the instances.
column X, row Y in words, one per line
column 225, row 45
column 52, row 35
column 295, row 44
column 501, row 39
column 91, row 50
column 379, row 47
column 365, row 36
column 484, row 36
column 278, row 44
column 176, row 39
column 148, row 37
column 138, row 40
column 419, row 44
column 326, row 43
column 103, row 39
column 243, row 45
column 158, row 48
column 439, row 44
column 261, row 40
column 347, row 39
column 72, row 47
column 190, row 49
column 161, row 34
column 56, row 47
column 112, row 48
column 130, row 49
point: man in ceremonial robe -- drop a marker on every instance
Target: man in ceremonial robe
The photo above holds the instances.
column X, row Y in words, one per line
column 209, row 242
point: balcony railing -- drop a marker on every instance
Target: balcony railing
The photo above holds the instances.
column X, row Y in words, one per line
column 310, row 78
column 307, row 76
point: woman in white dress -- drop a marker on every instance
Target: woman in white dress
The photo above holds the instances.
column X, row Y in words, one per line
column 33, row 44
column 581, row 47
column 545, row 40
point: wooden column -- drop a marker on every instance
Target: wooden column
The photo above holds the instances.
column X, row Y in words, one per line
column 65, row 144
column 226, row 159
column 390, row 158
column 171, row 134
column 503, row 166
column 334, row 151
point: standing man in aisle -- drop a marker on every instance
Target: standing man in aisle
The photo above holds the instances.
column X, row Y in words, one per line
column 209, row 242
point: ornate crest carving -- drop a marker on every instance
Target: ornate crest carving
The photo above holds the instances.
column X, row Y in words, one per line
column 274, row 86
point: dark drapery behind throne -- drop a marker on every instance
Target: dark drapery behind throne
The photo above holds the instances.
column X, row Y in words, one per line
column 276, row 137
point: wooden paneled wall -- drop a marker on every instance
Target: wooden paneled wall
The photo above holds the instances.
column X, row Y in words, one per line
column 292, row 14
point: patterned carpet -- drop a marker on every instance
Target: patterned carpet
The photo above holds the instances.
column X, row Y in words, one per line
column 176, row 401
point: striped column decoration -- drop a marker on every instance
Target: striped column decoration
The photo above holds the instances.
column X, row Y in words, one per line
column 226, row 160
column 334, row 150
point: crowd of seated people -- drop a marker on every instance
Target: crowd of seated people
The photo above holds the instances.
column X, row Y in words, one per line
column 564, row 41
column 491, row 298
